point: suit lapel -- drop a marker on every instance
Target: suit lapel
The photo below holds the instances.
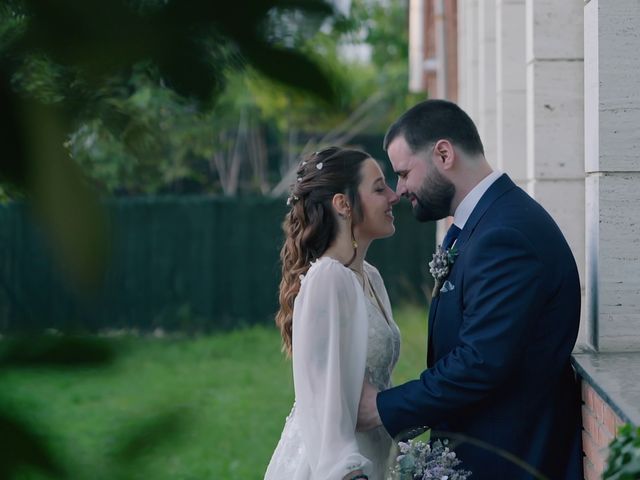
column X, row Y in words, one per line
column 432, row 314
column 501, row 186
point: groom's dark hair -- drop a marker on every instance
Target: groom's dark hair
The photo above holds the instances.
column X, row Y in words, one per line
column 432, row 120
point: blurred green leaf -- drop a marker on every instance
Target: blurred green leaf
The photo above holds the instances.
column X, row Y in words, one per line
column 294, row 68
column 149, row 435
column 623, row 462
column 47, row 351
column 101, row 38
column 21, row 447
column 13, row 167
column 62, row 199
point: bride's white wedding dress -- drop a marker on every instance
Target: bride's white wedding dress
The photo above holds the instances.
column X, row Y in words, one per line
column 339, row 336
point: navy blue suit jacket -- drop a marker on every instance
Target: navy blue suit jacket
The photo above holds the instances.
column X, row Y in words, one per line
column 499, row 346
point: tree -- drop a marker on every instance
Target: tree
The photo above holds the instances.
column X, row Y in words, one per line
column 374, row 93
column 230, row 148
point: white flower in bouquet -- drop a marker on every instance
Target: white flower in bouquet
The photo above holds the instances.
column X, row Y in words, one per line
column 420, row 460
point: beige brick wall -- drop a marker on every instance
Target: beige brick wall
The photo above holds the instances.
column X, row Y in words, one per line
column 599, row 426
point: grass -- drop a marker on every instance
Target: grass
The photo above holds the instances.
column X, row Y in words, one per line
column 232, row 390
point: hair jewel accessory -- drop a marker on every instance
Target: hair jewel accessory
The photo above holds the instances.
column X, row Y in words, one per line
column 292, row 199
column 319, row 165
column 299, row 179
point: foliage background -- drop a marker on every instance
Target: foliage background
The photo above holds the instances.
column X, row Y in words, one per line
column 141, row 136
column 143, row 97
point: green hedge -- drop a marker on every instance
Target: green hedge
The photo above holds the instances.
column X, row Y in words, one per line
column 180, row 263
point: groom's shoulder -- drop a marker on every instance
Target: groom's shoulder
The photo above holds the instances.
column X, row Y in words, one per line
column 517, row 207
column 519, row 211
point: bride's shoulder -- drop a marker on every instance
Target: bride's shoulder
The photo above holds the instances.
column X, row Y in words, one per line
column 330, row 274
column 372, row 271
column 370, row 268
column 327, row 267
column 374, row 276
column 329, row 286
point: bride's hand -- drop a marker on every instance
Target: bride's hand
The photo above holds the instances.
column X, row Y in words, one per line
column 368, row 416
column 354, row 474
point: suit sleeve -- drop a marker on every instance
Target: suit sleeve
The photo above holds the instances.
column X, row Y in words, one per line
column 503, row 294
column 329, row 361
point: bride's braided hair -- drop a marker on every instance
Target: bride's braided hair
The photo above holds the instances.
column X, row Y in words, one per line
column 310, row 227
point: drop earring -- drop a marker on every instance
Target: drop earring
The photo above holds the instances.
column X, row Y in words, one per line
column 354, row 243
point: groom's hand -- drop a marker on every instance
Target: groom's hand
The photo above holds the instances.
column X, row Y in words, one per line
column 368, row 416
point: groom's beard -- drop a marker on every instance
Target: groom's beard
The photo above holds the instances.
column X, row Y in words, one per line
column 433, row 200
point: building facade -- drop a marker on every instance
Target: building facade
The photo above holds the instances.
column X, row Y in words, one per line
column 554, row 87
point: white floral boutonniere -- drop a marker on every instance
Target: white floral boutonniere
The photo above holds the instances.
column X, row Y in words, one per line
column 441, row 265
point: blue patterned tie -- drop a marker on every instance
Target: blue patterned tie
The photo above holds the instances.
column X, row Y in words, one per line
column 451, row 236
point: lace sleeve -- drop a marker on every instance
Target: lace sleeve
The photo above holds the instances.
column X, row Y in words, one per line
column 329, row 359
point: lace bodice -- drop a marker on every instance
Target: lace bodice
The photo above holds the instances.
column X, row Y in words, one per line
column 383, row 347
column 339, row 337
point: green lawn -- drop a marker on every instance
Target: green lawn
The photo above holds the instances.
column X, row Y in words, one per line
column 235, row 390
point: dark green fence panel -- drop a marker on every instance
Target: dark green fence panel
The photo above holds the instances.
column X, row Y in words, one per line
column 184, row 263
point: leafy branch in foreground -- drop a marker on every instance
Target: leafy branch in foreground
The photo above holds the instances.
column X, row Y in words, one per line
column 623, row 462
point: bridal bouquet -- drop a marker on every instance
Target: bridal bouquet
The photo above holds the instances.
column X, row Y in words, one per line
column 419, row 460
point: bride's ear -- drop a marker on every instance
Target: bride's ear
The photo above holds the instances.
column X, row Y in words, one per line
column 341, row 205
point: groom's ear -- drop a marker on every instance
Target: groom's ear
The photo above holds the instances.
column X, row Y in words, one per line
column 341, row 204
column 445, row 154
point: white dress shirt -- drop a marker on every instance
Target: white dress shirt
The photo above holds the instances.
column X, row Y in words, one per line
column 468, row 203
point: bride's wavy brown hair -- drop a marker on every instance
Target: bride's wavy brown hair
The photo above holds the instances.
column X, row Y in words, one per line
column 310, row 227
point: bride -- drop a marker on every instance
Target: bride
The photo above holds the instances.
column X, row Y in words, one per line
column 335, row 318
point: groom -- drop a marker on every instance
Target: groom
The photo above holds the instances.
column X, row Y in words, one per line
column 505, row 318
